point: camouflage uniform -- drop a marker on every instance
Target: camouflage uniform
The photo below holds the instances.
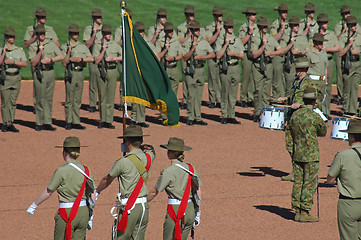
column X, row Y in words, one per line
column 298, row 86
column 301, row 143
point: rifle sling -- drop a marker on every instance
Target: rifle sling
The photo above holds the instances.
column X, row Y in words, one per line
column 140, row 167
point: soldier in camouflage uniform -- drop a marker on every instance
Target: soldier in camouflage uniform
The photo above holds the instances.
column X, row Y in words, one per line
column 308, row 25
column 301, row 143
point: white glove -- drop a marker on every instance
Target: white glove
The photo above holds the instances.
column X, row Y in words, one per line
column 318, row 111
column 197, row 219
column 90, row 223
column 31, row 209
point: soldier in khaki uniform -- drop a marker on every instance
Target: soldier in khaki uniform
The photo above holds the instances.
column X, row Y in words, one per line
column 228, row 51
column 91, row 36
column 346, row 167
column 42, row 55
column 13, row 58
column 76, row 56
column 157, row 31
column 125, row 169
column 66, row 181
column 280, row 30
column 178, row 180
column 196, row 52
column 308, row 25
column 214, row 31
column 331, row 46
column 248, row 31
column 107, row 53
column 351, row 66
column 264, row 47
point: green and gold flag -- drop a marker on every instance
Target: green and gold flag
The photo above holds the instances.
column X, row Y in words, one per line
column 144, row 79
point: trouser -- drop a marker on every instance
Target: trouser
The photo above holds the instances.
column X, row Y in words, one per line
column 44, row 91
column 247, row 86
column 349, row 218
column 74, row 91
column 78, row 225
column 330, row 68
column 94, row 77
column 262, row 84
column 214, row 84
column 195, row 91
column 106, row 90
column 339, row 78
column 173, row 75
column 184, row 82
column 138, row 112
column 350, row 88
column 230, row 84
column 290, row 76
column 186, row 225
column 9, row 94
column 305, row 184
column 278, row 82
column 120, row 70
column 137, row 220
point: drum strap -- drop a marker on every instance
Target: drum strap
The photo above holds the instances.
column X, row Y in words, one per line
column 358, row 153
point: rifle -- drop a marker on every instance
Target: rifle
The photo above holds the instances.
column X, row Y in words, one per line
column 38, row 71
column 262, row 59
column 290, row 58
column 101, row 65
column 213, row 45
column 68, row 75
column 3, row 65
column 249, row 50
column 191, row 60
column 223, row 65
column 163, row 61
column 91, row 35
column 346, row 61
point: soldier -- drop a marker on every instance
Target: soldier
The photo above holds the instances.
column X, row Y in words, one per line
column 76, row 56
column 12, row 58
column 264, row 47
column 279, row 30
column 346, row 167
column 350, row 53
column 92, row 35
column 132, row 171
column 196, row 51
column 43, row 54
column 308, row 25
column 182, row 185
column 331, row 46
column 214, row 31
column 248, row 31
column 229, row 50
column 302, row 131
column 156, row 32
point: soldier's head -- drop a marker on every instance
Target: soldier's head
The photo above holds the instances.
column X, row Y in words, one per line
column 40, row 32
column 310, row 95
column 40, row 15
column 140, row 27
column 345, row 11
column 310, row 10
column 189, row 13
column 169, row 29
column 301, row 64
column 294, row 22
column 194, row 26
column 282, row 11
column 217, row 14
column 351, row 22
column 73, row 31
column 162, row 16
column 133, row 136
column 9, row 35
column 107, row 32
column 176, row 148
column 251, row 14
column 228, row 25
column 322, row 20
column 97, row 15
column 263, row 24
column 71, row 147
column 354, row 131
column 318, row 40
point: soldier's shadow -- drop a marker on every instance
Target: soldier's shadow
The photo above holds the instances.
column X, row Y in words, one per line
column 280, row 211
column 263, row 171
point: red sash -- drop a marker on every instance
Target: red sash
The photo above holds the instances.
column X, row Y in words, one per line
column 74, row 209
column 182, row 207
column 122, row 224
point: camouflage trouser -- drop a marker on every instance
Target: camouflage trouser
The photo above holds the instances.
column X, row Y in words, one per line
column 304, row 187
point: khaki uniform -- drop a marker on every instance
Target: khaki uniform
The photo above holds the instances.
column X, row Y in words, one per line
column 152, row 31
column 67, row 181
column 247, row 86
column 106, row 88
column 351, row 78
column 346, row 166
column 74, row 88
column 196, row 81
column 231, row 77
column 44, row 88
column 278, row 79
column 262, row 80
column 94, row 74
column 10, row 88
column 173, row 180
column 214, row 83
column 128, row 176
column 118, row 36
column 312, row 30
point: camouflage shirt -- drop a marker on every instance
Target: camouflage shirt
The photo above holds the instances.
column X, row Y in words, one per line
column 298, row 86
column 301, row 135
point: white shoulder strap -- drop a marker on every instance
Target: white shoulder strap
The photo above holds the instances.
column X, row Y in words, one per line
column 81, row 171
column 180, row 166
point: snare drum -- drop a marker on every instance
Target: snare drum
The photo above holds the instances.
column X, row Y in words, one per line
column 337, row 125
column 272, row 118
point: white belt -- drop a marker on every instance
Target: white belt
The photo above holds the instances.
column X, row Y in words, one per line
column 174, row 201
column 139, row 200
column 70, row 204
column 316, row 77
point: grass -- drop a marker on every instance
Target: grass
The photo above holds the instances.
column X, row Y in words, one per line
column 18, row 14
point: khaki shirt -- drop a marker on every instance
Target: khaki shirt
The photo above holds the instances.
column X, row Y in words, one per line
column 234, row 45
column 67, row 181
column 313, row 27
column 88, row 32
column 183, row 30
column 174, row 180
column 319, row 61
column 174, row 46
column 118, row 35
column 50, row 50
column 300, row 42
column 113, row 49
column 346, row 166
column 17, row 54
column 152, row 31
column 331, row 42
column 202, row 48
column 356, row 43
column 211, row 29
column 77, row 50
column 151, row 45
column 243, row 31
column 127, row 173
column 50, row 34
column 274, row 29
column 338, row 28
column 271, row 45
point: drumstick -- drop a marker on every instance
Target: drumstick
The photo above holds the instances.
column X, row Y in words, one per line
column 351, row 117
column 281, row 105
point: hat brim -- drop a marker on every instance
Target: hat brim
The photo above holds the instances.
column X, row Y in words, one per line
column 186, row 148
column 132, row 136
column 41, row 15
column 63, row 146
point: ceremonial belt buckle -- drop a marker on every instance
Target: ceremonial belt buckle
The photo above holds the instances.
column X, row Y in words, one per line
column 120, row 203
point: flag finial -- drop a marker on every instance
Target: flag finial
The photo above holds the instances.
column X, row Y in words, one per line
column 123, row 4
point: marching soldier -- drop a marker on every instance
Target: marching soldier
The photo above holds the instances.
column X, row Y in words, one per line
column 107, row 53
column 229, row 50
column 308, row 25
column 43, row 54
column 92, row 35
column 214, row 31
column 12, row 58
column 76, row 56
column 157, row 31
column 196, row 52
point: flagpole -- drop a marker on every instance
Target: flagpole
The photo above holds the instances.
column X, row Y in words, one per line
column 122, row 5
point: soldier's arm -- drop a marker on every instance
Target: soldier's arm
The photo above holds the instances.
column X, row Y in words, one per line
column 104, row 183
